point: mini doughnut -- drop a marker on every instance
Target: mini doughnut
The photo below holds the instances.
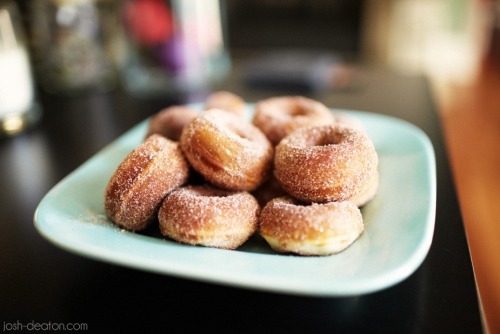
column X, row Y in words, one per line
column 226, row 101
column 170, row 121
column 269, row 190
column 208, row 216
column 368, row 192
column 325, row 163
column 348, row 120
column 278, row 116
column 142, row 180
column 310, row 229
column 227, row 151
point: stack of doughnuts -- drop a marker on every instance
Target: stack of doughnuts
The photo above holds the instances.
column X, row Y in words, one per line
column 293, row 174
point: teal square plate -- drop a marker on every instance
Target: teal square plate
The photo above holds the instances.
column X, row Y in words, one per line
column 399, row 225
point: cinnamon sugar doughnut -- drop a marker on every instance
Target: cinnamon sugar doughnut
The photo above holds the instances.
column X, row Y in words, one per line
column 348, row 120
column 170, row 121
column 325, row 163
column 368, row 192
column 310, row 229
column 226, row 101
column 227, row 151
column 269, row 190
column 277, row 117
column 142, row 180
column 207, row 216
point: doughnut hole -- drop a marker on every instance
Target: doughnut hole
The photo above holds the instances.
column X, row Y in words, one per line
column 322, row 139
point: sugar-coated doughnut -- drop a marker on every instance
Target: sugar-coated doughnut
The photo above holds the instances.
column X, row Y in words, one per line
column 226, row 101
column 142, row 180
column 170, row 121
column 310, row 229
column 269, row 190
column 368, row 192
column 208, row 216
column 227, row 151
column 277, row 117
column 325, row 163
column 348, row 120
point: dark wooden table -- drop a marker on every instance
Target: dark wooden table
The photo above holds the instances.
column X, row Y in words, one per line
column 40, row 283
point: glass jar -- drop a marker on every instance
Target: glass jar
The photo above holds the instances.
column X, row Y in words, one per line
column 18, row 107
column 175, row 46
column 76, row 44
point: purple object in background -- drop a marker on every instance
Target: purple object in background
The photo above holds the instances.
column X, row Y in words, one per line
column 171, row 55
column 187, row 61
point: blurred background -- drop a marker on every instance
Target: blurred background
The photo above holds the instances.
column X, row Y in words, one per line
column 153, row 48
column 173, row 51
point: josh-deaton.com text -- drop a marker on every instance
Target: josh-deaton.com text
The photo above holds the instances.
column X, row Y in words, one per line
column 44, row 326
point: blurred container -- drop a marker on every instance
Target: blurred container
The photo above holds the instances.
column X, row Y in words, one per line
column 493, row 52
column 18, row 108
column 76, row 44
column 173, row 47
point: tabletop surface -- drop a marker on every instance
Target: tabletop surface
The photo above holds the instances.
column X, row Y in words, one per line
column 40, row 283
column 473, row 106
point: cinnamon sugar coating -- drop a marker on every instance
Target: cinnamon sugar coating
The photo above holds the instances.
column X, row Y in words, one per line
column 142, row 180
column 325, row 163
column 207, row 216
column 310, row 184
column 310, row 229
column 368, row 192
column 227, row 151
column 226, row 101
column 170, row 121
column 269, row 190
column 279, row 116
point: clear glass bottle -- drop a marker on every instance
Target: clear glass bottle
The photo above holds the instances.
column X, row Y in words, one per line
column 18, row 107
column 75, row 44
column 176, row 46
